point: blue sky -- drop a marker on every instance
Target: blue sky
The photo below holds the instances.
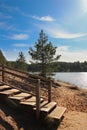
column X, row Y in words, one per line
column 63, row 21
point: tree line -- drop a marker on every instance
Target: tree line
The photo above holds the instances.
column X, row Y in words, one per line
column 43, row 59
column 36, row 67
column 62, row 67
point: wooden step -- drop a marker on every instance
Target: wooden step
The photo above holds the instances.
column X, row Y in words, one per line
column 9, row 92
column 20, row 96
column 4, row 87
column 48, row 107
column 31, row 101
column 43, row 103
column 57, row 113
column 1, row 84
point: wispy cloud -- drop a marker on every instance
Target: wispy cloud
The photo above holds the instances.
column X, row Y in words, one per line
column 57, row 31
column 71, row 56
column 3, row 16
column 44, row 18
column 20, row 45
column 19, row 37
column 65, row 35
column 2, row 24
column 6, row 26
column 83, row 4
column 17, row 9
column 9, row 8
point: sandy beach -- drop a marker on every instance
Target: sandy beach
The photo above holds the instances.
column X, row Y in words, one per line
column 75, row 100
column 67, row 95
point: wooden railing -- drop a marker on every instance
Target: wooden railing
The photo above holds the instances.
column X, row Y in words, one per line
column 33, row 84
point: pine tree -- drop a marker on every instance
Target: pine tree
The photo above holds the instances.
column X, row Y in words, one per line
column 21, row 62
column 43, row 53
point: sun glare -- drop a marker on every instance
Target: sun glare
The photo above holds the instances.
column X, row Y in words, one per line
column 84, row 5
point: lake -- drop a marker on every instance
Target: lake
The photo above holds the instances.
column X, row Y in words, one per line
column 76, row 78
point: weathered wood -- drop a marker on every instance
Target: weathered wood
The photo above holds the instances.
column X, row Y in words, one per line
column 15, row 74
column 4, row 87
column 1, row 83
column 20, row 89
column 15, row 70
column 42, row 104
column 49, row 91
column 10, row 75
column 38, row 99
column 9, row 92
column 20, row 96
column 30, row 102
column 57, row 113
column 48, row 107
column 32, row 96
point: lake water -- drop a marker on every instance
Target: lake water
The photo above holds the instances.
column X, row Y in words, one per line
column 76, row 78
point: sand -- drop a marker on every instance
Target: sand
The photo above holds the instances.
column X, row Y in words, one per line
column 67, row 95
column 75, row 100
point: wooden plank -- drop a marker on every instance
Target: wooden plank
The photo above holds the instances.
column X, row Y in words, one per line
column 48, row 107
column 57, row 113
column 42, row 104
column 49, row 91
column 31, row 101
column 20, row 96
column 38, row 99
column 3, row 87
column 1, row 84
column 9, row 92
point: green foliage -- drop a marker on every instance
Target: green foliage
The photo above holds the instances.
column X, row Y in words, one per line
column 62, row 67
column 11, row 64
column 2, row 58
column 43, row 53
column 21, row 62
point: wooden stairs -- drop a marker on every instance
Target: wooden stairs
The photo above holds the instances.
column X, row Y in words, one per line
column 24, row 98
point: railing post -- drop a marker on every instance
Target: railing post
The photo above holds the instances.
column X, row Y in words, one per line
column 3, row 73
column 49, row 91
column 38, row 99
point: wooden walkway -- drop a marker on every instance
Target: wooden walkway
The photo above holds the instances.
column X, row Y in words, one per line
column 31, row 96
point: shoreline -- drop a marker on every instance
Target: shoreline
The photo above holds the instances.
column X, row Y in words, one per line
column 74, row 98
column 69, row 84
column 74, row 78
column 70, row 96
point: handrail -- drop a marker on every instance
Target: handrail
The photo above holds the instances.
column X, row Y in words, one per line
column 31, row 75
column 26, row 76
column 34, row 83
